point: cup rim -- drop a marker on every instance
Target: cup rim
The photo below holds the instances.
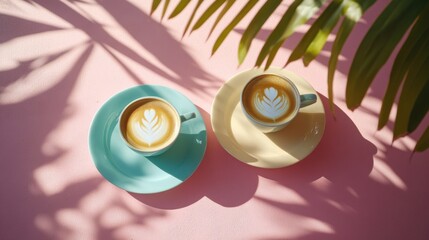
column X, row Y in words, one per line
column 176, row 133
column 291, row 116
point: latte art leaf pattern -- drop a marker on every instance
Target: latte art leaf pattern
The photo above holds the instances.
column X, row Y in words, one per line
column 272, row 105
column 152, row 127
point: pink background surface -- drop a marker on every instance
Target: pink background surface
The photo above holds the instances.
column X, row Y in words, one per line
column 61, row 60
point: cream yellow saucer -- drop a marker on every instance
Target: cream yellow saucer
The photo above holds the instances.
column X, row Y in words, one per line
column 272, row 150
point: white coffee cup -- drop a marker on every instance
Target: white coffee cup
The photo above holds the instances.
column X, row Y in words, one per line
column 150, row 125
column 270, row 102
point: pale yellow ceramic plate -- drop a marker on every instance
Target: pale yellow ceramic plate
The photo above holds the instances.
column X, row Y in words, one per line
column 273, row 150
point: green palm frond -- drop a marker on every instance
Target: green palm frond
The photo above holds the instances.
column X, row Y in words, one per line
column 192, row 16
column 179, row 8
column 410, row 69
column 208, row 13
column 296, row 15
column 155, row 4
column 246, row 9
column 260, row 18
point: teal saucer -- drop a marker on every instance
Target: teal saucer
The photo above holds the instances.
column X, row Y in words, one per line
column 130, row 170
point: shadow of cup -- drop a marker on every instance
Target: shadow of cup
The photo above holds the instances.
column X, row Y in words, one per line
column 220, row 177
column 296, row 141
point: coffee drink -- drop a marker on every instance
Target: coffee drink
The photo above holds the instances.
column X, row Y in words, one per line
column 149, row 124
column 270, row 99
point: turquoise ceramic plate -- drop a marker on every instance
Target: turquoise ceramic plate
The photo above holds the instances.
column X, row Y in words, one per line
column 130, row 170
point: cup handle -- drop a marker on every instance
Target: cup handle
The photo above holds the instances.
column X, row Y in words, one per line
column 187, row 116
column 307, row 99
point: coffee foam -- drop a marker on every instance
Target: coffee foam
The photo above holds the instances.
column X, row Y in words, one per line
column 269, row 99
column 152, row 125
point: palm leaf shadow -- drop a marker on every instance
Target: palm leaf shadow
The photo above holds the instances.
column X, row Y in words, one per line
column 27, row 66
column 171, row 54
column 14, row 27
column 97, row 34
column 152, row 36
column 48, row 110
column 35, row 118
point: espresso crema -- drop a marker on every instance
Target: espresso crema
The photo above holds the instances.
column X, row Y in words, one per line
column 151, row 125
column 269, row 99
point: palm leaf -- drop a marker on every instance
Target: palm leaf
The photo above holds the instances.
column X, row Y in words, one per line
column 417, row 37
column 255, row 25
column 278, row 45
column 155, row 4
column 249, row 5
column 208, row 13
column 315, row 38
column 192, row 17
column 414, row 83
column 273, row 53
column 344, row 31
column 377, row 46
column 377, row 27
column 179, row 8
column 420, row 108
column 228, row 5
column 353, row 12
column 423, row 142
column 410, row 68
column 320, row 39
column 164, row 10
column 297, row 14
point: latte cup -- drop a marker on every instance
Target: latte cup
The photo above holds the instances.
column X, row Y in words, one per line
column 150, row 125
column 270, row 102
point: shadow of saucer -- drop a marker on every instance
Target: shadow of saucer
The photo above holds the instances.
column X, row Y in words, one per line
column 220, row 177
column 190, row 147
column 343, row 155
column 301, row 136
